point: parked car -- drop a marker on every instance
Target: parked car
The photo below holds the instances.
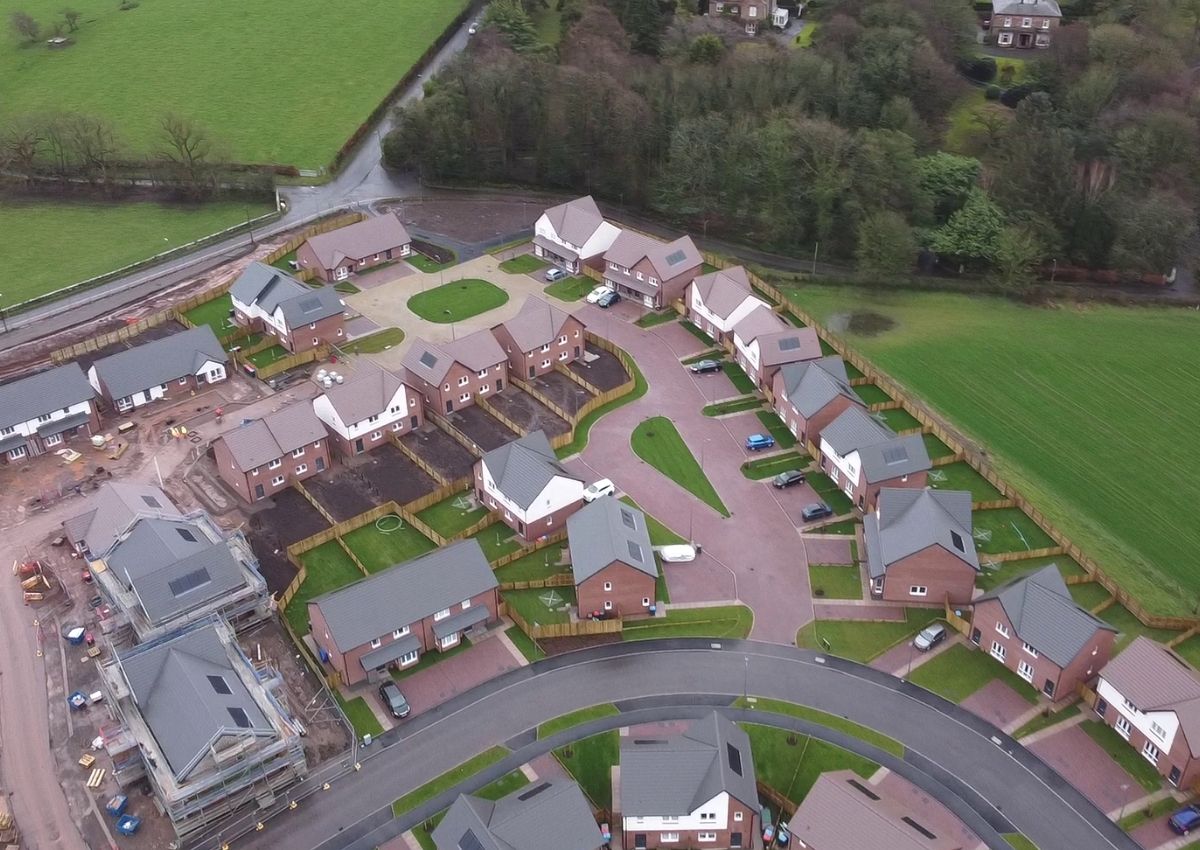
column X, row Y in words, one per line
column 702, row 366
column 757, row 442
column 608, row 299
column 597, row 489
column 788, row 478
column 678, row 553
column 393, row 700
column 929, row 637
column 555, row 274
column 1185, row 820
column 819, row 510
column 596, row 294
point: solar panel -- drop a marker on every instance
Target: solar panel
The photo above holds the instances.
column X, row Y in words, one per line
column 735, row 758
column 635, row 550
column 186, row 535
column 918, row 827
column 895, row 454
column 219, row 685
column 533, row 792
column 239, row 716
column 863, row 789
column 675, row 257
column 647, row 741
column 429, row 359
column 628, row 520
column 957, row 540
column 469, row 841
column 790, row 343
column 151, row 501
column 310, row 303
column 189, row 581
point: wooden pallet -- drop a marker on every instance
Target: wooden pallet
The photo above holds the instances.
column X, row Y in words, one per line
column 87, row 760
column 97, row 778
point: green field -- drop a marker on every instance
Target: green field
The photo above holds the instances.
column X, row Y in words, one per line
column 378, row 551
column 570, row 288
column 231, row 66
column 1086, row 410
column 523, row 264
column 457, row 300
column 959, row 672
column 376, row 342
column 835, row 582
column 657, row 441
column 104, row 237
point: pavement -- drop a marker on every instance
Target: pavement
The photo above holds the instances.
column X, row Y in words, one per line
column 1089, row 768
column 997, row 703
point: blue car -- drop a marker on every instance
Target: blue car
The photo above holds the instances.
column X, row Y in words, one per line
column 755, row 442
column 1185, row 820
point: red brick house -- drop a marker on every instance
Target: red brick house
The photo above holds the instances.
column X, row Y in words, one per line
column 524, row 482
column 1151, row 697
column 764, row 343
column 612, row 559
column 862, row 456
column 751, row 14
column 1033, row 627
column 451, row 375
column 920, row 548
column 573, row 235
column 361, row 413
column 650, row 272
column 39, row 413
column 264, row 456
column 166, row 368
column 540, row 337
column 810, row 395
column 697, row 789
column 357, row 247
column 1025, row 24
column 266, row 300
column 389, row 619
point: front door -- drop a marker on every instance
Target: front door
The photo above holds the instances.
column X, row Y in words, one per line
column 1175, row 776
column 412, row 423
column 358, row 446
column 577, row 351
column 449, row 406
column 1024, row 39
column 532, row 372
column 499, row 384
column 259, row 492
column 320, row 464
column 975, row 636
column 735, row 839
column 1048, row 688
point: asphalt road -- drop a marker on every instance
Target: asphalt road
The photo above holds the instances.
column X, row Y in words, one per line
column 983, row 775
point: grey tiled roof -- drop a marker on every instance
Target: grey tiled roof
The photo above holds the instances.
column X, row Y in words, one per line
column 25, row 399
column 170, row 573
column 911, row 520
column 271, row 288
column 575, row 221
column 1154, row 678
column 111, row 510
column 178, row 684
column 810, row 386
column 366, row 394
column 430, row 361
column 1031, row 9
column 668, row 259
column 537, row 324
column 793, row 345
column 160, row 362
column 357, row 241
column 554, row 248
column 608, row 530
column 724, row 290
column 883, row 454
column 549, row 815
column 674, row 776
column 1044, row 615
column 273, row 436
column 405, row 593
column 523, row 467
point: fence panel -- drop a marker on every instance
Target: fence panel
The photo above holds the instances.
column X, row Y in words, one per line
column 579, row 379
column 416, row 459
column 463, row 440
column 292, row 361
column 440, row 494
column 488, row 407
column 303, row 491
column 563, row 580
column 545, row 400
column 489, row 519
column 539, row 544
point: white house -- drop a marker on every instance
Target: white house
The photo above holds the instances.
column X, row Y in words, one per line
column 164, row 368
column 716, row 302
column 362, row 412
column 572, row 234
column 39, row 412
column 525, row 483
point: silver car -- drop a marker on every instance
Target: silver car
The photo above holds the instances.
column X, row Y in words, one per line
column 929, row 637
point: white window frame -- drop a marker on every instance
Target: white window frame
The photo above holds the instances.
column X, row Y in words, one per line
column 17, row 453
column 376, row 643
column 45, row 417
column 1025, row 670
column 466, row 603
column 449, row 641
column 564, row 355
column 410, row 658
column 275, row 464
column 1033, row 653
column 464, row 380
column 607, row 586
column 668, row 837
column 607, row 604
column 399, row 633
column 183, row 381
column 301, row 469
column 545, row 364
column 464, row 398
column 298, row 452
column 1151, row 753
column 1123, row 727
column 441, row 615
column 482, row 373
column 376, row 435
column 1157, row 731
column 998, row 651
column 918, row 590
column 53, row 440
column 277, row 481
column 1002, row 629
column 1026, row 23
column 1004, row 39
column 9, row 429
column 545, row 348
column 706, row 836
column 645, row 601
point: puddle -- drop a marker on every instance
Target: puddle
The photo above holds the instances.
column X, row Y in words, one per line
column 861, row 323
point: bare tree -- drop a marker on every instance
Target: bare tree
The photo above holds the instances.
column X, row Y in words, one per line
column 57, row 142
column 190, row 152
column 95, row 145
column 71, row 16
column 23, row 24
column 21, row 144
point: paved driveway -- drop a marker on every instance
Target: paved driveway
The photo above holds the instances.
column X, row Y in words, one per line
column 452, row 676
column 1086, row 765
column 997, row 703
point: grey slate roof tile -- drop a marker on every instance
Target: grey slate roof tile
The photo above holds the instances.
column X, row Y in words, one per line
column 273, row 436
column 608, row 530
column 724, row 290
column 908, row 521
column 523, row 467
column 25, row 399
column 111, row 510
column 668, row 259
column 576, row 220
column 811, row 385
column 269, row 288
column 883, row 454
column 549, row 815
column 430, row 361
column 160, row 362
column 357, row 241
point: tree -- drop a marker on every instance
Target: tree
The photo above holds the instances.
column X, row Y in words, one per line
column 886, row 245
column 72, row 19
column 1018, row 250
column 1151, row 231
column 188, row 151
column 25, row 27
column 707, row 49
column 643, row 22
column 972, row 232
column 512, row 21
column 947, row 179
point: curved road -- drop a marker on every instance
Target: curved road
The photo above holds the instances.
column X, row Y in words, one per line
column 980, row 773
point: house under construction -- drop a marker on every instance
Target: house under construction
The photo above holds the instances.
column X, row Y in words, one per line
column 208, row 730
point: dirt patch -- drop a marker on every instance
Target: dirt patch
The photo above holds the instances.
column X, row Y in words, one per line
column 861, row 323
column 344, row 492
column 469, row 219
column 85, row 361
column 485, row 430
column 393, row 475
column 289, row 519
column 441, row 451
column 562, row 391
column 528, row 412
column 601, row 369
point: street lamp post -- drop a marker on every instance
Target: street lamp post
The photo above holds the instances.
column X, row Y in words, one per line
column 746, row 677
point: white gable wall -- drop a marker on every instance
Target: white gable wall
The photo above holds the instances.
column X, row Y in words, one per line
column 1141, row 720
column 849, row 468
column 725, row 325
column 718, row 806
column 558, row 494
column 399, row 407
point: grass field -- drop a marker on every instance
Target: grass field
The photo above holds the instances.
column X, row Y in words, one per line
column 590, row 762
column 861, row 641
column 1007, row 530
column 835, row 582
column 1126, row 756
column 775, row 427
column 1019, row 842
column 523, row 264
column 959, row 672
column 960, row 476
column 214, row 313
column 657, row 441
column 223, row 64
column 830, row 493
column 458, row 300
column 536, row 565
column 576, row 718
column 497, row 540
column 329, row 568
column 990, row 578
column 769, row 467
column 651, row 319
column 898, row 419
column 833, row 721
column 791, row 763
column 523, row 642
column 268, row 356
column 104, row 237
column 571, row 288
column 728, row 621
column 376, row 342
column 734, row 405
column 448, row 780
column 740, row 380
column 360, row 716
column 531, row 604
column 378, row 551
column 447, row 518
column 871, row 394
column 1090, row 433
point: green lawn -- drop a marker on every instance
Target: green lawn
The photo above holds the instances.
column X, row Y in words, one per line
column 774, row 425
column 214, row 313
column 769, row 467
column 871, row 394
column 727, row 621
column 268, row 356
column 576, row 718
column 221, row 65
column 835, row 582
column 448, row 519
column 1130, row 626
column 1019, row 841
column 531, row 604
column 1007, row 530
column 104, row 237
column 376, row 342
column 584, row 426
column 547, row 20
column 935, row 448
column 344, row 286
column 1045, row 720
column 458, row 300
column 360, row 716
column 740, row 380
column 657, row 442
column 505, row 785
column 959, row 672
column 790, row 763
column 1160, row 809
column 1189, row 650
column 1089, row 594
column 736, row 405
column 378, row 551
column 328, row 568
column 830, row 493
column 898, row 419
column 824, row 718
column 699, row 334
column 846, row 526
column 447, row 780
column 571, row 288
column 1123, row 754
column 523, row 264
column 860, row 641
column 541, row 564
column 805, row 39
column 650, row 320
column 711, row 354
column 497, row 540
column 961, row 476
column 422, row 263
column 590, row 762
column 527, row 645
column 1010, row 570
column 1059, row 418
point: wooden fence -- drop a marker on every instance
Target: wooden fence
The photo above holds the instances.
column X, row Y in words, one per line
column 440, row 494
column 571, row 374
column 961, row 624
column 537, row 545
column 291, row 361
column 565, row 579
column 321, row 227
column 420, row 462
column 934, row 424
column 993, row 504
column 575, row 628
column 459, row 437
column 486, row 406
column 552, row 405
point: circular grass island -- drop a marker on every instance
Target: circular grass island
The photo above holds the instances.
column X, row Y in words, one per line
column 457, row 300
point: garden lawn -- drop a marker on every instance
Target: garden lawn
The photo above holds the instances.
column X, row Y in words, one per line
column 590, row 762
column 220, row 64
column 898, row 419
column 790, row 763
column 523, row 642
column 328, row 568
column 657, row 442
column 1130, row 626
column 376, row 342
column 1007, row 530
column 769, row 467
column 1126, row 756
column 961, row 476
column 726, row 621
column 571, row 288
column 652, row 319
column 1089, row 595
column 457, row 300
column 1019, row 842
column 740, row 380
column 1059, row 419
column 846, row 526
column 422, row 263
column 989, row 579
column 529, row 604
column 1044, row 721
column 835, row 582
column 523, row 264
column 268, row 356
column 448, row 519
column 576, row 718
column 935, row 448
column 378, row 551
column 541, row 564
column 774, row 425
column 830, row 493
column 497, row 540
column 103, row 237
column 862, row 641
column 700, row 335
column 213, row 313
column 360, row 716
column 736, row 405
column 871, row 394
column 832, row 721
column 711, row 354
column 447, row 780
column 959, row 672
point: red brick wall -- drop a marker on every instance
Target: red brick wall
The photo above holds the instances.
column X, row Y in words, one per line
column 308, row 259
column 244, row 481
column 748, row 827
column 330, row 329
column 942, row 573
column 869, row 493
column 1180, row 754
column 437, row 396
column 521, row 363
column 629, row 587
column 810, row 428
